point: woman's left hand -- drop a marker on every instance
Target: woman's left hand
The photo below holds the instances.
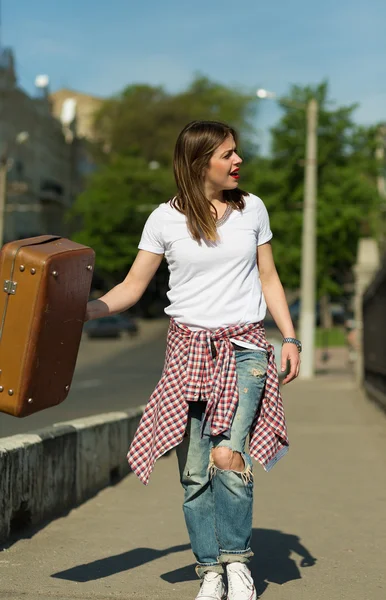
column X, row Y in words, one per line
column 290, row 352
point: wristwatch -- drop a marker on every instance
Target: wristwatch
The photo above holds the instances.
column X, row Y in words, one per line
column 290, row 340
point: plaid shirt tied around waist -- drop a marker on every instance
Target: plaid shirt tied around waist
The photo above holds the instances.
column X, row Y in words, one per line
column 190, row 374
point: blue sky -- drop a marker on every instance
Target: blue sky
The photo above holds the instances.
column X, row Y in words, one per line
column 100, row 46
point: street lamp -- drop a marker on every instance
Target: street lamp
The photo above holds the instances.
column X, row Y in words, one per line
column 264, row 94
column 308, row 264
column 20, row 138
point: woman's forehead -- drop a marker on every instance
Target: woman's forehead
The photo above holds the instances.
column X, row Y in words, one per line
column 227, row 144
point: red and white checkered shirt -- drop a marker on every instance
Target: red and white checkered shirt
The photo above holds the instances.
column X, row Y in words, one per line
column 191, row 374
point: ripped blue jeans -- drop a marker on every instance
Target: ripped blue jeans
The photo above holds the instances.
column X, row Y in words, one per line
column 218, row 503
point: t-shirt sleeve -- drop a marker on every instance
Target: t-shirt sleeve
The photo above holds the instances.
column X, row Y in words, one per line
column 264, row 233
column 151, row 238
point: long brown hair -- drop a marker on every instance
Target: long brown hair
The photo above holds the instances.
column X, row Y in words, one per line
column 194, row 148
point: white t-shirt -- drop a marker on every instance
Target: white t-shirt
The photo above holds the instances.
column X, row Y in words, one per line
column 211, row 284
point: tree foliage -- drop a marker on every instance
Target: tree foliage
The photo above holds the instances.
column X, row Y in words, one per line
column 347, row 200
column 114, row 207
column 147, row 119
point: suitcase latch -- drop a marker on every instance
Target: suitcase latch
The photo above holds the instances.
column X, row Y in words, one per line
column 10, row 287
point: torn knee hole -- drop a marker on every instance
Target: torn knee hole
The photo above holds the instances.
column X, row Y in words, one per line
column 222, row 458
column 227, row 459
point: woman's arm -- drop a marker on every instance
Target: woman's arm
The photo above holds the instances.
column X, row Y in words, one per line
column 277, row 305
column 128, row 292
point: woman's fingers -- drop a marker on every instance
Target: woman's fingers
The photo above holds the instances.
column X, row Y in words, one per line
column 290, row 353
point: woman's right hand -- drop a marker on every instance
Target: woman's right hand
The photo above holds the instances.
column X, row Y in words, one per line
column 96, row 309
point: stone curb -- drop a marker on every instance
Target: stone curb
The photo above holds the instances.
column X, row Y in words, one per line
column 45, row 472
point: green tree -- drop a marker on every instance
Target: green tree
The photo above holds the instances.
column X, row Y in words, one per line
column 113, row 209
column 347, row 199
column 147, row 120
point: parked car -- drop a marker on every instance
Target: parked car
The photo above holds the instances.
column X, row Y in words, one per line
column 128, row 324
column 111, row 327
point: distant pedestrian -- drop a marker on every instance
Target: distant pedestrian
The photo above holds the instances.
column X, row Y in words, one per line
column 351, row 337
column 220, row 382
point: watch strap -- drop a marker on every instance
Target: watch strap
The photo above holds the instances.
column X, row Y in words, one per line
column 291, row 340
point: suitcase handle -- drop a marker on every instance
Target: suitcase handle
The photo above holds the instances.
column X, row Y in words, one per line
column 39, row 239
column 33, row 241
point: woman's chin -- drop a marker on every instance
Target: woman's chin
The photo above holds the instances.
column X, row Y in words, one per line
column 231, row 186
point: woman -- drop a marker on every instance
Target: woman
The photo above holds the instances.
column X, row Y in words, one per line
column 220, row 382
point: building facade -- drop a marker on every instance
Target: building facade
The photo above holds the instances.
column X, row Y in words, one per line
column 64, row 101
column 78, row 109
column 42, row 178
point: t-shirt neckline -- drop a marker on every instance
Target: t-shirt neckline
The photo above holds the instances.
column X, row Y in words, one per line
column 225, row 216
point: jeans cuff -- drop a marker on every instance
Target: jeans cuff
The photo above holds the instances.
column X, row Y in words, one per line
column 230, row 556
column 201, row 569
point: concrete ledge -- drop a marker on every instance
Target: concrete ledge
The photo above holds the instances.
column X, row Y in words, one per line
column 48, row 471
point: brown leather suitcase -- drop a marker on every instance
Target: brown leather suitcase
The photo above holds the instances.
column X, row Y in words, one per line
column 44, row 288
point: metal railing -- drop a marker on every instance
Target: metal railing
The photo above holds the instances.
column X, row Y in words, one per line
column 374, row 337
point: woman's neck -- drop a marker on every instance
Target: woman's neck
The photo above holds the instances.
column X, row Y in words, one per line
column 215, row 197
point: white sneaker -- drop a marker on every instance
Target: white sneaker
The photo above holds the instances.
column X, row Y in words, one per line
column 240, row 582
column 212, row 587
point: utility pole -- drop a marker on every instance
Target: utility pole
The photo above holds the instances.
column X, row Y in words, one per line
column 308, row 259
column 308, row 264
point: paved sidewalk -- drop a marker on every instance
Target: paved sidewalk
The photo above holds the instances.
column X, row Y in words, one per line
column 319, row 519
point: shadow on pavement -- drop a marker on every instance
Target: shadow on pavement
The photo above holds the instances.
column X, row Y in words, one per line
column 181, row 575
column 116, row 564
column 272, row 562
